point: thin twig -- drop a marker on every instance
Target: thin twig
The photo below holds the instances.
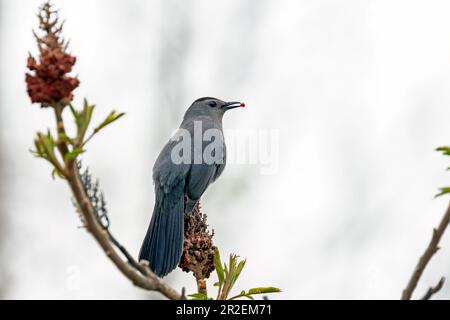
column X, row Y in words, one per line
column 432, row 248
column 433, row 290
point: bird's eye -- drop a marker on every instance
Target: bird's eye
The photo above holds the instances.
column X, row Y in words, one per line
column 212, row 104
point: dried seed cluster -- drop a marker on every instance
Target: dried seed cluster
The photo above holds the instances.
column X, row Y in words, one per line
column 198, row 250
column 48, row 82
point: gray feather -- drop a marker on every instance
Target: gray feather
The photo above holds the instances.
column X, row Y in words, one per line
column 163, row 243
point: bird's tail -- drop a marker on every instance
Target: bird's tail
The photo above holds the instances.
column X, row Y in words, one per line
column 163, row 243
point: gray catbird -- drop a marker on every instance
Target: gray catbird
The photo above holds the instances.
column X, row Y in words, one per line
column 180, row 184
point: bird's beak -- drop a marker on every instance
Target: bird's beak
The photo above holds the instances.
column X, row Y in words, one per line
column 232, row 105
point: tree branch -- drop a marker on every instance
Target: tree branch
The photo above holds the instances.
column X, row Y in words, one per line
column 139, row 274
column 433, row 290
column 432, row 248
column 49, row 84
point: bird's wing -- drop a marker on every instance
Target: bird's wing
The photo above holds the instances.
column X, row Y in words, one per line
column 199, row 178
column 166, row 173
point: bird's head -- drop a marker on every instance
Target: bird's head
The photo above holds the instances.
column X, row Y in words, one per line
column 212, row 107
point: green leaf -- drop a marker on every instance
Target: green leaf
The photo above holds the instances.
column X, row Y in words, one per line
column 109, row 119
column 232, row 264
column 82, row 119
column 65, row 138
column 76, row 115
column 238, row 270
column 39, row 151
column 198, row 296
column 72, row 154
column 86, row 116
column 443, row 191
column 48, row 140
column 445, row 150
column 219, row 268
column 262, row 290
column 241, row 294
column 45, row 145
column 253, row 291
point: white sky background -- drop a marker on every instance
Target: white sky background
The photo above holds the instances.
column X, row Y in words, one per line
column 359, row 91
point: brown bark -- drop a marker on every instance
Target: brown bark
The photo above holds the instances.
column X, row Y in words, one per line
column 139, row 274
column 429, row 252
